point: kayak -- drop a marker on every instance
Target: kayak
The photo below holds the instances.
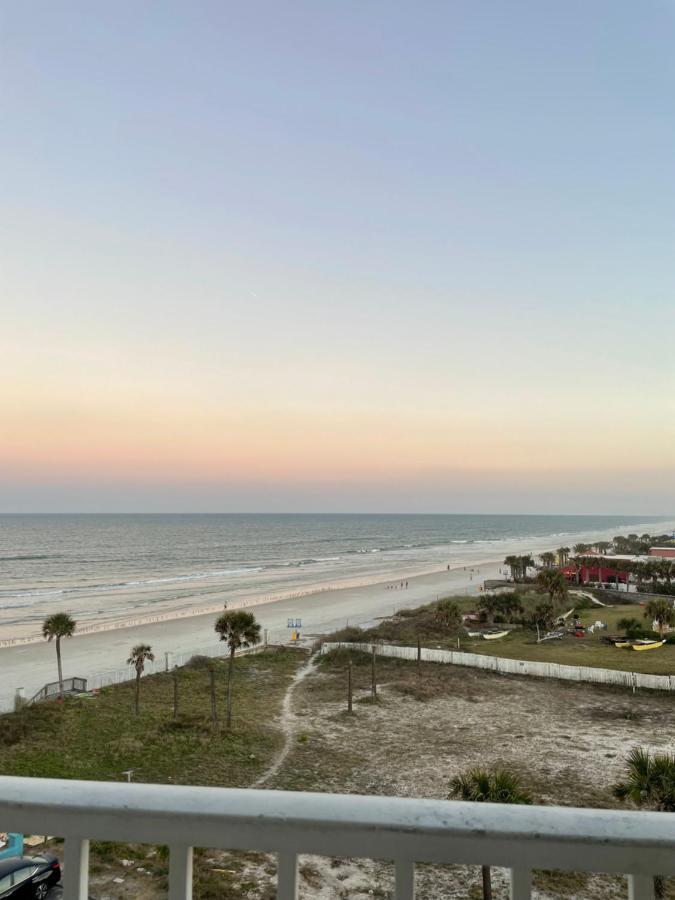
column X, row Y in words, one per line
column 495, row 635
column 647, row 645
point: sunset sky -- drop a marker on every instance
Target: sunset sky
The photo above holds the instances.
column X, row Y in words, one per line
column 340, row 256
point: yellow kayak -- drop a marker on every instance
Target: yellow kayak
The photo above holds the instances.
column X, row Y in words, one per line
column 622, row 644
column 648, row 645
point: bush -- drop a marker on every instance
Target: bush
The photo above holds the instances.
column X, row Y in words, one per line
column 198, row 662
column 447, row 615
column 350, row 635
column 667, row 590
column 341, row 656
column 583, row 603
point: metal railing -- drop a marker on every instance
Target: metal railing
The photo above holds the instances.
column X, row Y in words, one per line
column 405, row 831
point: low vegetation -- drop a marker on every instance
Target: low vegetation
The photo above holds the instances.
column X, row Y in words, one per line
column 95, row 737
column 100, row 738
column 522, row 611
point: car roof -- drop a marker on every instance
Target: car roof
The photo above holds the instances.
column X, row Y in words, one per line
column 12, row 863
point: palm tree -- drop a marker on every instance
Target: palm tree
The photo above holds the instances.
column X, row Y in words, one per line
column 653, row 571
column 140, row 654
column 666, row 570
column 554, row 583
column 543, row 615
column 447, row 614
column 481, row 786
column 548, row 559
column 489, row 604
column 580, row 549
column 649, row 781
column 525, row 563
column 508, row 604
column 563, row 555
column 58, row 626
column 577, row 562
column 662, row 612
column 239, row 629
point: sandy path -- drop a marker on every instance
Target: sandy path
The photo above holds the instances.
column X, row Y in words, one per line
column 287, row 721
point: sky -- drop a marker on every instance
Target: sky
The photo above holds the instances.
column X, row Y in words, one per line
column 314, row 256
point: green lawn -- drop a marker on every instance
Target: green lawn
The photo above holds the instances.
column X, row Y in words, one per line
column 101, row 737
column 522, row 643
column 586, row 651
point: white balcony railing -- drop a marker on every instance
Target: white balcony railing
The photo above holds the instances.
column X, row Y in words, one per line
column 406, row 831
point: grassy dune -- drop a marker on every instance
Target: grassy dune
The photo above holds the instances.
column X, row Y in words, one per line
column 99, row 738
column 521, row 643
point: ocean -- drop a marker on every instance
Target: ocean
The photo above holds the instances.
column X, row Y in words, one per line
column 109, row 568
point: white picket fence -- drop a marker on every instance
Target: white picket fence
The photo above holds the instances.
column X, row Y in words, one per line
column 517, row 666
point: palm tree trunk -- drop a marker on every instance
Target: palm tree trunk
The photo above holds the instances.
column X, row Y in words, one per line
column 230, row 673
column 138, row 691
column 58, row 662
column 175, row 695
column 487, row 883
column 659, row 887
column 212, row 683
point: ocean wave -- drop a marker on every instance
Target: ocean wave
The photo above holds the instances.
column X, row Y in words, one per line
column 30, row 556
column 121, row 585
column 300, row 563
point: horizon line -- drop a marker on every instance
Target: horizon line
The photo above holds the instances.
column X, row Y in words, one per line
column 658, row 516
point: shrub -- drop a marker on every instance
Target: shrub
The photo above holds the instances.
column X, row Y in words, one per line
column 350, row 635
column 198, row 662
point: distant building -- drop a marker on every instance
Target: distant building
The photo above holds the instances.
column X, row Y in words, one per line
column 664, row 552
column 602, row 574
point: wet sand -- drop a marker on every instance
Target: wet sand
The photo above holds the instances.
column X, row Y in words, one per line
column 30, row 666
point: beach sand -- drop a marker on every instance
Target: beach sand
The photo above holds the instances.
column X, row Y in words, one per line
column 30, row 666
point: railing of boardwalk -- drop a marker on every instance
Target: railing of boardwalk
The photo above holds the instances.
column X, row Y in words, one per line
column 405, row 831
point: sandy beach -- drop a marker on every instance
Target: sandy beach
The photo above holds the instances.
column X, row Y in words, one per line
column 30, row 666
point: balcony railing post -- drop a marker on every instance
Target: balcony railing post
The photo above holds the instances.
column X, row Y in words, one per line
column 640, row 887
column 180, row 872
column 76, row 868
column 521, row 885
column 405, row 880
column 287, row 876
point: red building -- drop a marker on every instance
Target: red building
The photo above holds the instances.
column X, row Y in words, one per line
column 663, row 552
column 602, row 574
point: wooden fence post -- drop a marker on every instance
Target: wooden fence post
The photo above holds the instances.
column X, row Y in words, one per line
column 212, row 682
column 349, row 687
column 373, row 678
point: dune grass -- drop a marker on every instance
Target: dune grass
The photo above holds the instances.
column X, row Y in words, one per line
column 99, row 738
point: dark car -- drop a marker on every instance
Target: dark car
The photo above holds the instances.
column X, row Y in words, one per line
column 28, row 876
